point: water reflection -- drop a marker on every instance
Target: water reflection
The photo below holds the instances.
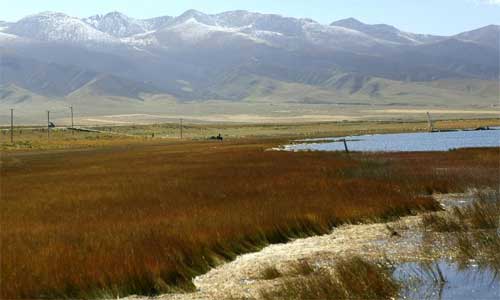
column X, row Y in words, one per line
column 443, row 281
column 420, row 141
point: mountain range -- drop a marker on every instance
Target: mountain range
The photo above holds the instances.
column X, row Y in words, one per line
column 242, row 56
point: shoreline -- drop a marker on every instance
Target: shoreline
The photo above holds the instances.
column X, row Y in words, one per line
column 241, row 278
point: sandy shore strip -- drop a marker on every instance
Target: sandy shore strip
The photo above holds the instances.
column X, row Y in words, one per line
column 241, row 277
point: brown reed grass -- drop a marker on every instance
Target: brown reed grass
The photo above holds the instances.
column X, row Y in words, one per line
column 352, row 278
column 145, row 219
column 472, row 230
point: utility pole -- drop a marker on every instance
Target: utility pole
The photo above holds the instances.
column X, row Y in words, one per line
column 12, row 126
column 430, row 125
column 181, row 128
column 345, row 146
column 72, row 124
column 48, row 125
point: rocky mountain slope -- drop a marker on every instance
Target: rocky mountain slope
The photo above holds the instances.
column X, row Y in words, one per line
column 240, row 55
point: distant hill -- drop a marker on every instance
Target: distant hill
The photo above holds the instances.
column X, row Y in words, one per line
column 241, row 56
column 54, row 80
column 488, row 36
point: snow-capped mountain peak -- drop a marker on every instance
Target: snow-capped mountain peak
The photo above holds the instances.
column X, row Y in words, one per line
column 349, row 23
column 120, row 25
column 193, row 27
column 55, row 26
column 385, row 32
column 192, row 31
column 196, row 15
column 156, row 23
column 116, row 24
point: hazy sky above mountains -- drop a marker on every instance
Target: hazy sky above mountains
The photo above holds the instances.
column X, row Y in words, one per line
column 444, row 17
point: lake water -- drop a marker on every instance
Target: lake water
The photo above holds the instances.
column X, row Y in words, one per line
column 461, row 284
column 404, row 142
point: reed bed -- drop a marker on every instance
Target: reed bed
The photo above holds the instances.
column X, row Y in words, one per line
column 473, row 231
column 146, row 219
column 352, row 278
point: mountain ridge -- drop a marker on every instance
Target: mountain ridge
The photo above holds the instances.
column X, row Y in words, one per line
column 193, row 56
column 109, row 22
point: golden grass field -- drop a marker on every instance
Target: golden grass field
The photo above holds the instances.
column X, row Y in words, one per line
column 310, row 129
column 29, row 139
column 145, row 217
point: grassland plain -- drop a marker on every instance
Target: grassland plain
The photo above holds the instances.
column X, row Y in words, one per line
column 146, row 218
column 301, row 130
column 28, row 139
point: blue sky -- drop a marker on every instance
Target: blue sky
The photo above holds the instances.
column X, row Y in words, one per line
column 422, row 16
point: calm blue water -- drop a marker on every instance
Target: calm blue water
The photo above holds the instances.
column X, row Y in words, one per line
column 403, row 142
column 461, row 284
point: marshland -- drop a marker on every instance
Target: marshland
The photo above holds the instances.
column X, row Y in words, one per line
column 250, row 150
column 97, row 215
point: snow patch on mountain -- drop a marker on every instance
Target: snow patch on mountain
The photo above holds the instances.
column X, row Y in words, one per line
column 198, row 16
column 195, row 27
column 146, row 39
column 5, row 37
column 386, row 32
column 121, row 26
column 53, row 26
column 3, row 25
column 337, row 37
column 116, row 24
column 156, row 23
column 192, row 31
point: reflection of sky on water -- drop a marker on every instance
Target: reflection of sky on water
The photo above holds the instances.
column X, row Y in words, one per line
column 470, row 283
column 421, row 141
